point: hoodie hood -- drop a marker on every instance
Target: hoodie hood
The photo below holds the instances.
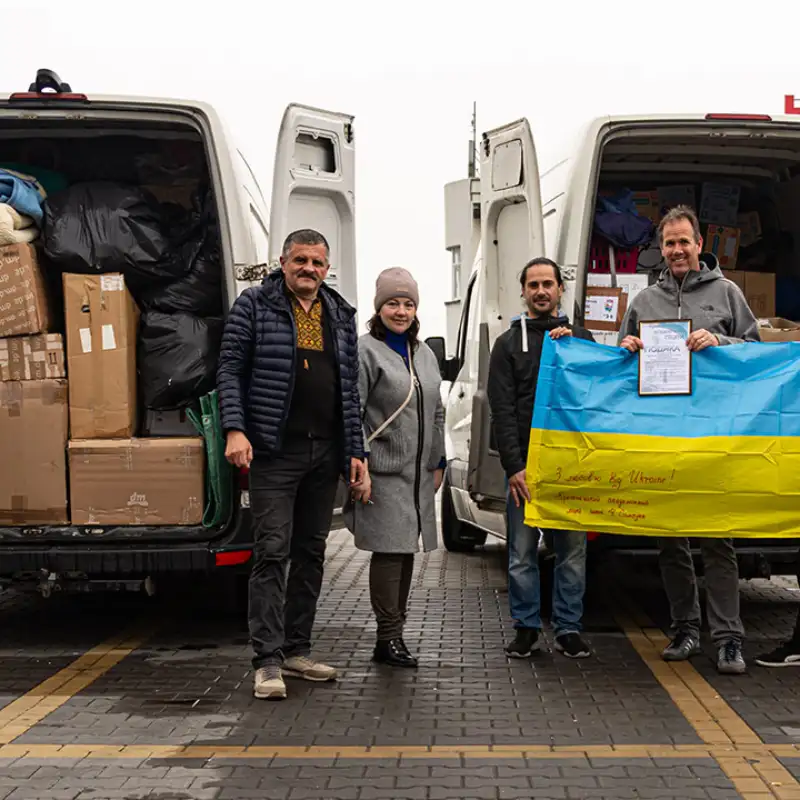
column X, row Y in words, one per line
column 539, row 323
column 709, row 271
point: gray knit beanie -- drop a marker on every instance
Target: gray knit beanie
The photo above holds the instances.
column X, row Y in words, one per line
column 395, row 282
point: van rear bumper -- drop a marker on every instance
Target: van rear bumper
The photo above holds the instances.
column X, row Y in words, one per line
column 144, row 552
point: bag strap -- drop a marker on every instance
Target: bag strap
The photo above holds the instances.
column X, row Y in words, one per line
column 405, row 402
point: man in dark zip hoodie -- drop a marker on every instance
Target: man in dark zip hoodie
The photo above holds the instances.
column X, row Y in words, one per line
column 693, row 287
column 513, row 373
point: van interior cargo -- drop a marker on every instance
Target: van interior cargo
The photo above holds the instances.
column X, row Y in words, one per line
column 744, row 184
column 129, row 225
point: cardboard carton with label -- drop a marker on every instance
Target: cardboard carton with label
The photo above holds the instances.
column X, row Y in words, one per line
column 32, row 358
column 23, row 296
column 101, row 321
column 137, row 481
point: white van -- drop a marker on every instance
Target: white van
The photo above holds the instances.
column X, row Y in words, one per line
column 514, row 212
column 123, row 139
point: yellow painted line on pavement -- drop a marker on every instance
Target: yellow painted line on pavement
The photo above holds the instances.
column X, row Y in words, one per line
column 752, row 767
column 734, row 756
column 20, row 715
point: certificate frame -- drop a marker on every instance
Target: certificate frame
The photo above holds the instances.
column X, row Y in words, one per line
column 686, row 329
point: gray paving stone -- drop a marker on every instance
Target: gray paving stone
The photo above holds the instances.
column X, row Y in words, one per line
column 192, row 683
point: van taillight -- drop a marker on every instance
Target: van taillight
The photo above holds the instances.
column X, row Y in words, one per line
column 49, row 97
column 232, row 558
column 742, row 117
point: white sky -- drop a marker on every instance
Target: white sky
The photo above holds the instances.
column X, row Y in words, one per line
column 409, row 73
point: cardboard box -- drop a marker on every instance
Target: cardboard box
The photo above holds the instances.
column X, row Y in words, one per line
column 33, row 469
column 760, row 293
column 32, row 358
column 608, row 338
column 737, row 276
column 647, row 205
column 758, row 289
column 719, row 204
column 630, row 283
column 23, row 294
column 777, row 329
column 137, row 481
column 671, row 196
column 101, row 320
column 604, row 308
column 724, row 244
column 749, row 226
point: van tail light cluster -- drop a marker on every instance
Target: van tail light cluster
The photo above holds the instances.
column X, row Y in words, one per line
column 232, row 558
column 744, row 117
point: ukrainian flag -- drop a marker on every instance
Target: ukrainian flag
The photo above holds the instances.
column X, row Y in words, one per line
column 723, row 461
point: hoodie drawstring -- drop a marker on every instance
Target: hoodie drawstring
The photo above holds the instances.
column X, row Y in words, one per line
column 524, row 325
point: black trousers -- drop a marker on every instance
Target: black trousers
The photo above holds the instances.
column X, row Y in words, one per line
column 389, row 587
column 291, row 500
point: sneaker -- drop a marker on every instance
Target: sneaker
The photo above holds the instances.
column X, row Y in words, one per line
column 683, row 646
column 787, row 655
column 526, row 641
column 572, row 646
column 268, row 683
column 730, row 660
column 306, row 668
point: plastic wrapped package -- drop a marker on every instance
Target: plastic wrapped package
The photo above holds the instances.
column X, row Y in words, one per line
column 100, row 227
column 177, row 358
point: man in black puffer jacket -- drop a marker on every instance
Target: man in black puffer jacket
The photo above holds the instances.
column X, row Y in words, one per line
column 288, row 390
column 513, row 374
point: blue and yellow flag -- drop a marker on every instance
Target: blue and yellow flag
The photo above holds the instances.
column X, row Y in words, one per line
column 723, row 461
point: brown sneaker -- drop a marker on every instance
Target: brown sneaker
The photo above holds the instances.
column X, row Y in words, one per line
column 268, row 683
column 304, row 667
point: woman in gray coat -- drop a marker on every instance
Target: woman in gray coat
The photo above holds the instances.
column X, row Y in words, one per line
column 393, row 512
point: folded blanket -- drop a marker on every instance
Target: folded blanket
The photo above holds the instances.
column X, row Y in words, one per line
column 15, row 228
column 23, row 192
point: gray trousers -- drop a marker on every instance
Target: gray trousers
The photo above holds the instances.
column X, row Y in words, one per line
column 722, row 587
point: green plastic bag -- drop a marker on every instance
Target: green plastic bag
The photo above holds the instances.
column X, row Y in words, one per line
column 219, row 476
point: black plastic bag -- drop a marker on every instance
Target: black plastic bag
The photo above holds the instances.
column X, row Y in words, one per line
column 195, row 242
column 100, row 226
column 177, row 358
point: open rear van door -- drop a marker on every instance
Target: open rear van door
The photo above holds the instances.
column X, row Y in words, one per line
column 313, row 186
column 512, row 232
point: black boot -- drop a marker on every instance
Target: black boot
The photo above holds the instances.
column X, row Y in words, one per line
column 394, row 653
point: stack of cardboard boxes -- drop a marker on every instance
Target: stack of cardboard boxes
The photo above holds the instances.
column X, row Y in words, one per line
column 33, row 398
column 724, row 231
column 79, row 432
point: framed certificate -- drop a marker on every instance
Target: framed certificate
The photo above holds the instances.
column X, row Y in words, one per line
column 665, row 362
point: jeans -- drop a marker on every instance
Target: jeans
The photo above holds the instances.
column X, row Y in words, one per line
column 291, row 499
column 389, row 586
column 722, row 587
column 569, row 580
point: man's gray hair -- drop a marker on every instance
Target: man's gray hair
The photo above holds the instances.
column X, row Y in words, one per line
column 307, row 236
column 676, row 215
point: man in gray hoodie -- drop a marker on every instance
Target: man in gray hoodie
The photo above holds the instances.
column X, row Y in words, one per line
column 693, row 287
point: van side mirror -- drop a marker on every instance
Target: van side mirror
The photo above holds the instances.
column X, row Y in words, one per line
column 448, row 367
